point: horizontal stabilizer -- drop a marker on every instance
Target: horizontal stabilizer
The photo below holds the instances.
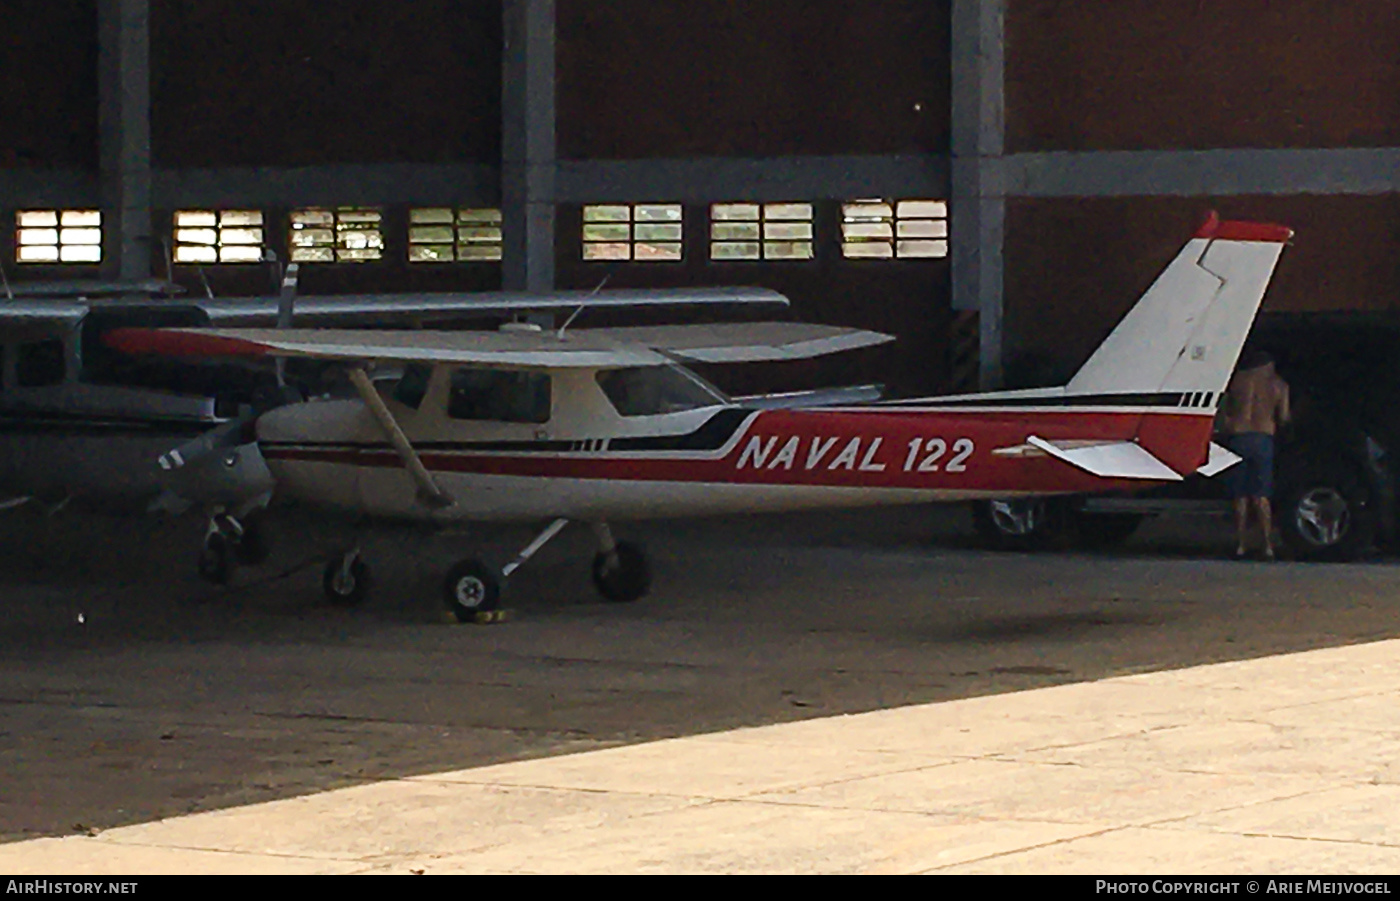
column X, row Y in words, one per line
column 1108, row 459
column 1220, row 460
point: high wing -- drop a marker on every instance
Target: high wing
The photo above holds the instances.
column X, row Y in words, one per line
column 425, row 306
column 91, row 288
column 591, row 348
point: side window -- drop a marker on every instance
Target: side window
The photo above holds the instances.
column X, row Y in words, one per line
column 413, row 386
column 40, row 363
column 656, row 390
column 499, row 395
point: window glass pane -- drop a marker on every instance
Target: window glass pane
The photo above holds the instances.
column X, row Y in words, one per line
column 651, row 252
column 488, row 216
column 923, row 228
column 928, row 209
column 499, row 395
column 38, row 236
column 36, row 219
column 80, row 236
column 479, row 253
column 235, row 253
column 670, row 212
column 430, row 253
column 479, row 234
column 734, row 250
column 241, row 217
column 787, row 211
column 787, row 231
column 729, row 211
column 428, row 216
column 241, row 236
column 80, row 253
column 193, row 253
column 313, row 237
column 734, row 231
column 599, row 251
column 41, row 253
column 607, row 232
column 610, row 213
column 656, row 390
column 868, row 250
column 81, row 218
column 307, row 218
column 937, row 248
column 866, row 209
column 313, row 255
column 430, row 234
column 852, row 231
column 196, row 218
column 412, row 387
column 644, row 231
column 787, row 250
column 196, row 236
column 353, row 216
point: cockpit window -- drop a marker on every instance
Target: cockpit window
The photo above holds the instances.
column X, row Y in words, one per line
column 654, row 390
column 499, row 395
column 412, row 387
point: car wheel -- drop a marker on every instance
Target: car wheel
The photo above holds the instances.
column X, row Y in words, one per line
column 1324, row 516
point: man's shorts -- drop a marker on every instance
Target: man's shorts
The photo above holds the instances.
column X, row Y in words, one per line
column 1253, row 476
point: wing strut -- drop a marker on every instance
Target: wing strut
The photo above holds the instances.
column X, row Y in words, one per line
column 429, row 492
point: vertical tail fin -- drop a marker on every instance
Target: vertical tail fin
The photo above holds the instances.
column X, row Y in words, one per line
column 1184, row 335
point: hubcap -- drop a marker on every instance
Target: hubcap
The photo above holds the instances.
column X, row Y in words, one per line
column 470, row 591
column 1017, row 517
column 1323, row 516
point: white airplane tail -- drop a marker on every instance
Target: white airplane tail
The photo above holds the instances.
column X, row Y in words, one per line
column 1184, row 336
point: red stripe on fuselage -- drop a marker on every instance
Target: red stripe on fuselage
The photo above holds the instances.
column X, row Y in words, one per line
column 877, row 449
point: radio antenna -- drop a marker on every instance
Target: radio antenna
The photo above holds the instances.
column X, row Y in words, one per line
column 583, row 303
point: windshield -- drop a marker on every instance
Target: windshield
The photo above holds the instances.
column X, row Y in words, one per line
column 655, row 390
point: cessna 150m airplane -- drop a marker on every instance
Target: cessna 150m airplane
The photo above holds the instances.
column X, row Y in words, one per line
column 81, row 422
column 605, row 424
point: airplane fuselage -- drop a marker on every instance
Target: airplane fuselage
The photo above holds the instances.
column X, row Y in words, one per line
column 715, row 460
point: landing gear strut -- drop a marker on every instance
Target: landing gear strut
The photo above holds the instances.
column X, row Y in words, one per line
column 229, row 542
column 620, row 573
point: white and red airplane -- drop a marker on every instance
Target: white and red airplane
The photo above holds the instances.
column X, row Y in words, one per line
column 606, row 424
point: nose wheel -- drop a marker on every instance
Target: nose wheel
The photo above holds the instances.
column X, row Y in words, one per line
column 471, row 588
column 345, row 581
column 623, row 575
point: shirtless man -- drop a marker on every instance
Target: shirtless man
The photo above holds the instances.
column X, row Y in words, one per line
column 1254, row 407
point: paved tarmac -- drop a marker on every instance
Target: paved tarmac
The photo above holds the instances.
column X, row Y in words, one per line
column 810, row 694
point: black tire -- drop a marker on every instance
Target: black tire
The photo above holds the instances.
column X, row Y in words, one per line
column 1018, row 524
column 346, row 589
column 216, row 560
column 1104, row 530
column 471, row 587
column 252, row 549
column 1325, row 515
column 627, row 579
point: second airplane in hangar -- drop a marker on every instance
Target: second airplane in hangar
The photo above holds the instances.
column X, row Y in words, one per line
column 604, row 425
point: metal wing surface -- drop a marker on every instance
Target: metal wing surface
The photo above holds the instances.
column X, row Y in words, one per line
column 594, row 349
column 427, row 306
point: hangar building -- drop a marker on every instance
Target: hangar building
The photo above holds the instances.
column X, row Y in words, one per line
column 993, row 181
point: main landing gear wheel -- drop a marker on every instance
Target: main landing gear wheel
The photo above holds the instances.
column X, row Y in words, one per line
column 216, row 559
column 252, row 546
column 623, row 575
column 346, row 585
column 471, row 587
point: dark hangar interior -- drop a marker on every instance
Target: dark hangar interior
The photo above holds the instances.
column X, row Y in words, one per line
column 993, row 181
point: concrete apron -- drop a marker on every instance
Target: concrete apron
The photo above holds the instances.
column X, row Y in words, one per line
column 1279, row 765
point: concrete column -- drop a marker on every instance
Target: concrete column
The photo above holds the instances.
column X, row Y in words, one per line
column 978, row 208
column 527, row 145
column 124, row 126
